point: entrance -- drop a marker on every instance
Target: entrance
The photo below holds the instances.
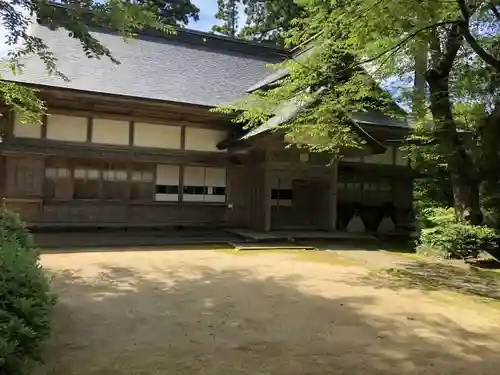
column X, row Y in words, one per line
column 310, row 203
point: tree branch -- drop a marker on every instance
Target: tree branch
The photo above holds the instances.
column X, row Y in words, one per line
column 495, row 11
column 465, row 31
column 452, row 45
column 464, row 8
column 481, row 52
column 400, row 44
column 434, row 45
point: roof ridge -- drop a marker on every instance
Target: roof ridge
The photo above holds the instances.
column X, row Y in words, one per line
column 196, row 37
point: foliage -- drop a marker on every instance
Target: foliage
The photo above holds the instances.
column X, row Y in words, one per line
column 13, row 230
column 75, row 16
column 174, row 12
column 434, row 216
column 432, row 187
column 444, row 237
column 269, row 20
column 25, row 302
column 457, row 239
column 331, row 90
column 460, row 41
column 228, row 14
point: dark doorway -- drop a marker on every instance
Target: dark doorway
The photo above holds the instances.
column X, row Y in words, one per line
column 310, row 203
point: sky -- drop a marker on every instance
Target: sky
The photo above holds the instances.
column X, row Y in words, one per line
column 208, row 8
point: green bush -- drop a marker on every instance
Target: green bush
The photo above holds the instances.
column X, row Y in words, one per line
column 26, row 304
column 433, row 216
column 456, row 240
column 12, row 229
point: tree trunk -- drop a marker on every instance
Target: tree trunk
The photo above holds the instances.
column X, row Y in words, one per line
column 463, row 175
column 489, row 162
column 420, row 61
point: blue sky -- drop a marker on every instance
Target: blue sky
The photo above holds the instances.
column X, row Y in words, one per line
column 208, row 8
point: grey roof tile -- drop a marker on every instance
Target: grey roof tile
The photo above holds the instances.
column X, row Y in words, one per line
column 291, row 109
column 152, row 67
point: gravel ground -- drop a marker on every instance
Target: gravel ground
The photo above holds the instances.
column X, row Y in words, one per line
column 210, row 312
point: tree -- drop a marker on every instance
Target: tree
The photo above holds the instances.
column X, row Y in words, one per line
column 228, row 14
column 16, row 16
column 349, row 38
column 174, row 12
column 269, row 20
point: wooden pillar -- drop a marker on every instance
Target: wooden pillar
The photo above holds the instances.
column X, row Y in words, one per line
column 267, row 200
column 266, row 194
column 333, row 193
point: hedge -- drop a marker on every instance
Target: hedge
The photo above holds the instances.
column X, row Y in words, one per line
column 26, row 304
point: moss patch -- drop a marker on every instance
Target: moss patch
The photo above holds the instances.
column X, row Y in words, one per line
column 444, row 277
column 314, row 256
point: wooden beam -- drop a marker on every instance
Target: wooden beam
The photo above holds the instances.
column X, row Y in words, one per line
column 44, row 127
column 90, row 125
column 266, row 199
column 183, row 137
column 170, row 119
column 333, row 195
column 10, row 125
column 181, row 183
column 131, row 132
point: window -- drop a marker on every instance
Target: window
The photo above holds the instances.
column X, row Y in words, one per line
column 282, row 194
column 115, row 183
column 167, row 183
column 141, row 185
column 167, row 189
column 349, row 188
column 57, row 184
column 281, row 191
column 204, row 184
column 195, row 190
column 87, row 182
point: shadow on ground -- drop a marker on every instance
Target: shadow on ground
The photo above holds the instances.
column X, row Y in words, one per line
column 434, row 276
column 198, row 320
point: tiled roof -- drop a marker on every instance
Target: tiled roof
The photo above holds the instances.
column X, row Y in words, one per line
column 189, row 67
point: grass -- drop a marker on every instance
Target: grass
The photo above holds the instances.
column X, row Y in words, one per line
column 258, row 251
column 313, row 256
column 327, row 257
column 403, row 253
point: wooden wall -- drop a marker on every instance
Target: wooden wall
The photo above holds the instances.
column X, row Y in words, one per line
column 88, row 129
column 29, row 190
column 126, row 132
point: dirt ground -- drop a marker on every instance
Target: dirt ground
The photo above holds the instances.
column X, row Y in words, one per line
column 214, row 313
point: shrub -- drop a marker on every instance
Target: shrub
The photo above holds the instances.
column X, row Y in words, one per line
column 431, row 217
column 456, row 240
column 12, row 229
column 25, row 302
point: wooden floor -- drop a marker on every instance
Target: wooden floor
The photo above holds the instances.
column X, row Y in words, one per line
column 114, row 237
column 299, row 234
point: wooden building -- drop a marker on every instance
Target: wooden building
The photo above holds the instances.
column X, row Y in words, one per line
column 136, row 145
